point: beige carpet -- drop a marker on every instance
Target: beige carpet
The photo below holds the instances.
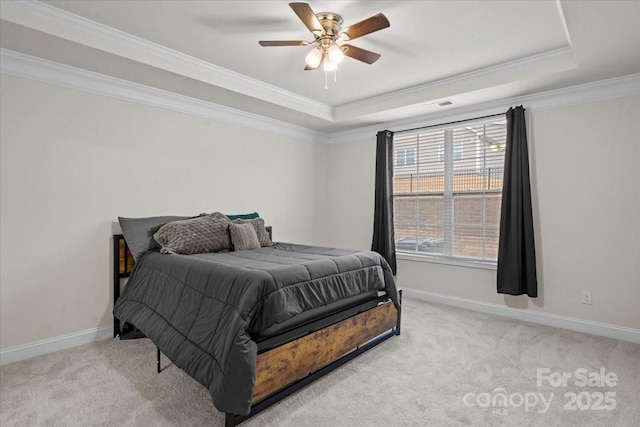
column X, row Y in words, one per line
column 444, row 358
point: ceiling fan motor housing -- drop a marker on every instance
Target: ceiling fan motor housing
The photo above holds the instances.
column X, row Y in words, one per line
column 332, row 24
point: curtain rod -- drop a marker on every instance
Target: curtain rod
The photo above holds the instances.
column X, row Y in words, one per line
column 450, row 123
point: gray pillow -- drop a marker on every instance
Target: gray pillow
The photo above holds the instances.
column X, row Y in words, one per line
column 137, row 232
column 203, row 234
column 243, row 236
column 261, row 231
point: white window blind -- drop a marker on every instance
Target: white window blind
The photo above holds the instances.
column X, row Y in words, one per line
column 405, row 156
column 447, row 204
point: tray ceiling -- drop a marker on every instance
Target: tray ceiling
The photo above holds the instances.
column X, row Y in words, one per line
column 464, row 52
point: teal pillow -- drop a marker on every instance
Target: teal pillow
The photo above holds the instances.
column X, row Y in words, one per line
column 252, row 215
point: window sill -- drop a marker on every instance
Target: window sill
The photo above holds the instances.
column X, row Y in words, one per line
column 483, row 265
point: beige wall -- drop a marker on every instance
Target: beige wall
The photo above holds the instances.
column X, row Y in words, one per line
column 71, row 162
column 586, row 186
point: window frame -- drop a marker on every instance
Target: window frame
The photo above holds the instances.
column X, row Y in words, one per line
column 458, row 151
column 441, row 258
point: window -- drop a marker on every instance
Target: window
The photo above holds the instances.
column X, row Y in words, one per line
column 448, row 204
column 406, row 156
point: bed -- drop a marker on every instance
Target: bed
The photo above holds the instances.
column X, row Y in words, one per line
column 254, row 326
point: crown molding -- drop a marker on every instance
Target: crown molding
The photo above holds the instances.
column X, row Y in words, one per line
column 44, row 17
column 32, row 68
column 565, row 27
column 551, row 61
column 589, row 92
column 29, row 67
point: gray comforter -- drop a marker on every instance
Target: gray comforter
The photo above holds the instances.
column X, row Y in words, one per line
column 201, row 310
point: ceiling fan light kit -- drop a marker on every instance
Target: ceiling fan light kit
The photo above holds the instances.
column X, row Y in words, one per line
column 314, row 58
column 326, row 28
column 335, row 54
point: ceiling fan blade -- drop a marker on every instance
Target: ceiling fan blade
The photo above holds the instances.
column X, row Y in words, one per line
column 362, row 28
column 360, row 54
column 308, row 18
column 283, row 43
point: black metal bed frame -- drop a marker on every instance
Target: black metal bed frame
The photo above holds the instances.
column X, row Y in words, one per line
column 235, row 419
column 118, row 275
column 128, row 331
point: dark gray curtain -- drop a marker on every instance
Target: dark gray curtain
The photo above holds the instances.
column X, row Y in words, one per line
column 516, row 251
column 383, row 240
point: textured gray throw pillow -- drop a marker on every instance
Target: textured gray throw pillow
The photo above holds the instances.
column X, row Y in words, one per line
column 204, row 234
column 243, row 236
column 258, row 224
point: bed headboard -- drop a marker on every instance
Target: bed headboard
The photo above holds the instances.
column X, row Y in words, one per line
column 123, row 260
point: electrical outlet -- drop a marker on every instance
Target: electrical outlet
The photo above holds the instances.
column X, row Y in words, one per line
column 586, row 297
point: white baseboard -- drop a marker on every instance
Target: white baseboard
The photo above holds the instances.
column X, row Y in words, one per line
column 571, row 323
column 37, row 348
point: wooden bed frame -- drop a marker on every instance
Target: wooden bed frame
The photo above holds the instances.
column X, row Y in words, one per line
column 291, row 360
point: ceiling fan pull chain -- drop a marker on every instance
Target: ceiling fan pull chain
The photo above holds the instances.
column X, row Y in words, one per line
column 335, row 76
column 325, row 80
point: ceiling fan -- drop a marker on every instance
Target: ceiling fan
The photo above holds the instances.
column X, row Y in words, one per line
column 326, row 28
